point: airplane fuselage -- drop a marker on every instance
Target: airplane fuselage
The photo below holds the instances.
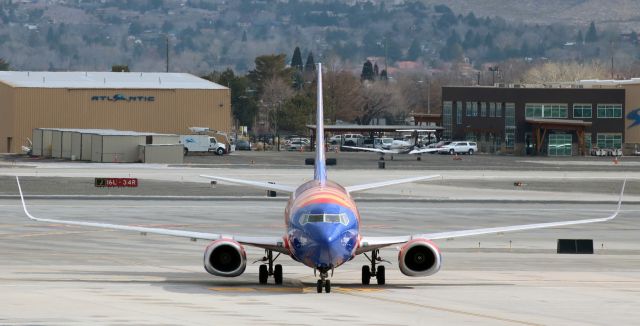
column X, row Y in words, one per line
column 323, row 225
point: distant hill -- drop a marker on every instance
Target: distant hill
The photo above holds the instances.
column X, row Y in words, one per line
column 624, row 14
column 207, row 35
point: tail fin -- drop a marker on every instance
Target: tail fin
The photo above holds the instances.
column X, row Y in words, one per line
column 320, row 165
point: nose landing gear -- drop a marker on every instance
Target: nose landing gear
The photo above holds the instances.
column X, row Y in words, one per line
column 323, row 282
column 266, row 270
column 369, row 272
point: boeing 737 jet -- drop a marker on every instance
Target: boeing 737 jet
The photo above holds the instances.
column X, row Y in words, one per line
column 323, row 229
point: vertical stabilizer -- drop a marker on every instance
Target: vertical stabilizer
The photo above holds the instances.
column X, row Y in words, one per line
column 320, row 164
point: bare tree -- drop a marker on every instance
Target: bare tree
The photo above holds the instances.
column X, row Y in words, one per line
column 377, row 99
column 342, row 95
column 564, row 72
column 276, row 92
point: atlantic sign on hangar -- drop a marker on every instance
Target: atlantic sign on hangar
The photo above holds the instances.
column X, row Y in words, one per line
column 146, row 102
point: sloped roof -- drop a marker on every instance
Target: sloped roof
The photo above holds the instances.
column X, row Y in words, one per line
column 105, row 80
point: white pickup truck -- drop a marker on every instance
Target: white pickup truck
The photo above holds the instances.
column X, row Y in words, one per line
column 202, row 143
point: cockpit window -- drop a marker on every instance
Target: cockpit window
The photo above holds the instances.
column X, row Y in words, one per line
column 326, row 218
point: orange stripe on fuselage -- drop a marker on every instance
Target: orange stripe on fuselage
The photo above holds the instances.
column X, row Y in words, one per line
column 326, row 195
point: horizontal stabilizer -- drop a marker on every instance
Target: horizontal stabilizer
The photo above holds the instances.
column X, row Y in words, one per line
column 367, row 186
column 255, row 184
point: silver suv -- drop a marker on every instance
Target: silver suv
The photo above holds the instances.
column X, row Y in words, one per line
column 459, row 147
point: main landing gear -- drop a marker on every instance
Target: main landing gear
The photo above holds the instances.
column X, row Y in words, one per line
column 369, row 272
column 268, row 269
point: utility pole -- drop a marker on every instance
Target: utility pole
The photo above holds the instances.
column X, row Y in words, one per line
column 167, row 43
column 429, row 96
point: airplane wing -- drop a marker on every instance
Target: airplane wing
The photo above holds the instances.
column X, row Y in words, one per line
column 367, row 186
column 423, row 150
column 377, row 150
column 255, row 184
column 372, row 243
column 272, row 243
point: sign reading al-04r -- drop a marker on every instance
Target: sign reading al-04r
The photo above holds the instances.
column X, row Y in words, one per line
column 116, row 182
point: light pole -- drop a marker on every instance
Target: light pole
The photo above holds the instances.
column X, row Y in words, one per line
column 494, row 69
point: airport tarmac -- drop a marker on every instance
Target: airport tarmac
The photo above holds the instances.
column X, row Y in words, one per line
column 57, row 275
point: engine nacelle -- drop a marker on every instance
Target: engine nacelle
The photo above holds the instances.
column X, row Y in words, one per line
column 225, row 258
column 419, row 257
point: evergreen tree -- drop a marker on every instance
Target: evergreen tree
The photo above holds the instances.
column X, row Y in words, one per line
column 452, row 50
column 469, row 40
column 376, row 70
column 383, row 75
column 367, row 71
column 4, row 65
column 310, row 66
column 592, row 34
column 414, row 51
column 296, row 60
column 579, row 38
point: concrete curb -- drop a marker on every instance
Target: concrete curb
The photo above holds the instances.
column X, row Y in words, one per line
column 283, row 198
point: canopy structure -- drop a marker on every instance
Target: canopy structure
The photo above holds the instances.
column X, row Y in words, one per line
column 541, row 126
column 374, row 130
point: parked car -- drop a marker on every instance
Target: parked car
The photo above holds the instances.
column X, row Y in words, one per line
column 459, row 147
column 335, row 139
column 243, row 145
column 296, row 145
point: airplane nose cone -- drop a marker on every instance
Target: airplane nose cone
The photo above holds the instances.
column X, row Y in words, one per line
column 331, row 249
column 324, row 233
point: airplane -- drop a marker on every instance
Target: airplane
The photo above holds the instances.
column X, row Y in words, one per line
column 323, row 229
column 400, row 146
column 410, row 149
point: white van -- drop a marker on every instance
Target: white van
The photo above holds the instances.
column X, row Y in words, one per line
column 202, row 143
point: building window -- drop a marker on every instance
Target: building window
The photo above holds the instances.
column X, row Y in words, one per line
column 609, row 110
column 458, row 106
column 446, row 119
column 472, row 109
column 582, row 110
column 537, row 110
column 609, row 140
column 509, row 125
column 560, row 144
column 498, row 110
column 483, row 109
column 492, row 109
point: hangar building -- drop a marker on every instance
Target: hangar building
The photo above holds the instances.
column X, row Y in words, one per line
column 145, row 102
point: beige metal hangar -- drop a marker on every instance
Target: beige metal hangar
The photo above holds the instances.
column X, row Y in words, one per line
column 106, row 145
column 145, row 102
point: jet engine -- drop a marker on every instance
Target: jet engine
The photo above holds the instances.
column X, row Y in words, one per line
column 225, row 258
column 419, row 257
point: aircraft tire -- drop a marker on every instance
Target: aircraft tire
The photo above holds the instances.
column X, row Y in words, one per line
column 327, row 286
column 319, row 286
column 263, row 274
column 366, row 275
column 277, row 274
column 380, row 277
